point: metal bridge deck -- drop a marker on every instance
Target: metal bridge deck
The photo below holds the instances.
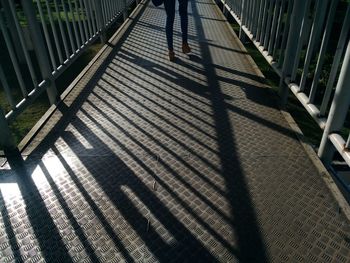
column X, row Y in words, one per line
column 147, row 160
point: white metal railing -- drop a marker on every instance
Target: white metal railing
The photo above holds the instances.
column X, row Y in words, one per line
column 57, row 31
column 296, row 38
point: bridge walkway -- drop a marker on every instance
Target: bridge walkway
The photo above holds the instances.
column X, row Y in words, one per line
column 149, row 160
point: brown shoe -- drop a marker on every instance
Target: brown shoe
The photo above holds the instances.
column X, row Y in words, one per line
column 171, row 55
column 186, row 48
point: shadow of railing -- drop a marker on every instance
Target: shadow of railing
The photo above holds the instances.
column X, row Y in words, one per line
column 246, row 226
column 9, row 230
column 112, row 188
column 197, row 103
column 40, row 220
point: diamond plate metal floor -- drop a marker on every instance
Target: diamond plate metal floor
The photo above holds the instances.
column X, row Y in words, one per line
column 152, row 161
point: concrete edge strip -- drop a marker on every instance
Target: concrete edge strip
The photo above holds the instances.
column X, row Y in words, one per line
column 322, row 170
column 103, row 52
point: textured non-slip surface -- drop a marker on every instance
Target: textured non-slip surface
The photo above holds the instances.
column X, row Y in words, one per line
column 152, row 161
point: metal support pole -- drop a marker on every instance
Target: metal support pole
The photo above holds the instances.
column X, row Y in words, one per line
column 101, row 25
column 40, row 49
column 251, row 16
column 338, row 111
column 320, row 13
column 256, row 17
column 347, row 143
column 241, row 33
column 290, row 52
column 336, row 61
column 224, row 9
column 125, row 10
column 11, row 24
column 6, row 140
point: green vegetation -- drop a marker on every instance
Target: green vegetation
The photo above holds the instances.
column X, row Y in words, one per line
column 32, row 114
column 26, row 120
column 76, row 14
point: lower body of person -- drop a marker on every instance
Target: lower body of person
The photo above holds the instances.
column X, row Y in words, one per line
column 169, row 28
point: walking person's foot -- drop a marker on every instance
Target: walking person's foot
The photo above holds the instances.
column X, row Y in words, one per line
column 171, row 55
column 186, row 48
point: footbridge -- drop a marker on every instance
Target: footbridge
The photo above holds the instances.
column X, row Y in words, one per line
column 141, row 159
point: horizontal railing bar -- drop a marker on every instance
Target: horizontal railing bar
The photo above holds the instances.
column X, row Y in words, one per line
column 72, row 58
column 311, row 108
column 339, row 144
column 26, row 102
column 110, row 22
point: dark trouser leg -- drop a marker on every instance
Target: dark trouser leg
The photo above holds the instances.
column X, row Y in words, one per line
column 184, row 19
column 169, row 28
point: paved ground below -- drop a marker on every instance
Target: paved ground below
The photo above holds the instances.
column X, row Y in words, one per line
column 148, row 160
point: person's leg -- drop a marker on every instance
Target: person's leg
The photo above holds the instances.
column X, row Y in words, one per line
column 184, row 25
column 169, row 6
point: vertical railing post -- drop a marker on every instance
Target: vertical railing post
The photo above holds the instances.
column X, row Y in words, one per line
column 292, row 42
column 6, row 140
column 11, row 24
column 101, row 24
column 241, row 33
column 224, row 9
column 40, row 49
column 338, row 111
column 125, row 10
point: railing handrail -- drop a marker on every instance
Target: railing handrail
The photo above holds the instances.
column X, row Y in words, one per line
column 57, row 40
column 283, row 49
